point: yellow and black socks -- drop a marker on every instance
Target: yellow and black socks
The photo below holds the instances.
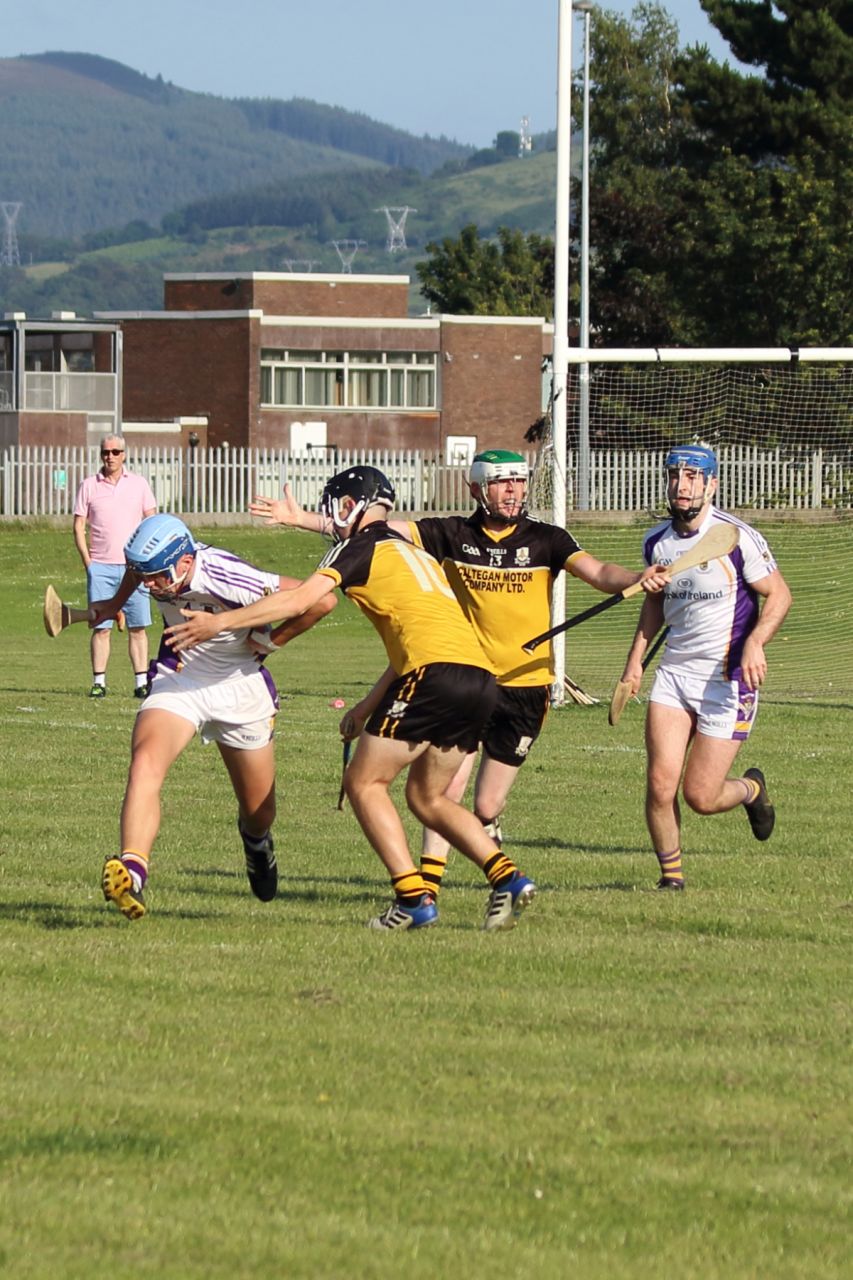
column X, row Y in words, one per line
column 499, row 870
column 433, row 868
column 409, row 888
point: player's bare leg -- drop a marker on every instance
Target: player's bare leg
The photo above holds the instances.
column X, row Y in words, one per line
column 159, row 737
column 252, row 775
column 707, row 787
column 426, row 794
column 375, row 764
column 428, row 798
column 434, row 848
column 493, row 785
column 668, row 734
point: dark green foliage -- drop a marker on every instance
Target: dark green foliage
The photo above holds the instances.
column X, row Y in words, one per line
column 95, row 284
column 132, row 233
column 349, row 131
column 507, row 143
column 108, row 72
column 307, row 203
column 470, row 276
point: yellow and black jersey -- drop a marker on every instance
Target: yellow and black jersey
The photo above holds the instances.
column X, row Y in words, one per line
column 503, row 581
column 405, row 594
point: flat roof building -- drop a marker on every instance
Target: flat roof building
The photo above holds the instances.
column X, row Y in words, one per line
column 288, row 360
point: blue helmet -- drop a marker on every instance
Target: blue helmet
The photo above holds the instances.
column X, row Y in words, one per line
column 157, row 544
column 696, row 456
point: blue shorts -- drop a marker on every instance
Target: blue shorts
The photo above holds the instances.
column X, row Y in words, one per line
column 102, row 582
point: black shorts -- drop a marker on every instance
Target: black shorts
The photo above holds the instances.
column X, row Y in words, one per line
column 516, row 722
column 443, row 703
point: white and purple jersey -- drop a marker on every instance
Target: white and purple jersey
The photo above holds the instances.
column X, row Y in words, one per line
column 712, row 608
column 219, row 581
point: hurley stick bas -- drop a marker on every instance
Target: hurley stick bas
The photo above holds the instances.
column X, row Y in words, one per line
column 58, row 615
column 718, row 541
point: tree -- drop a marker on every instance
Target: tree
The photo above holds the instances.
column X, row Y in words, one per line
column 507, row 144
column 720, row 201
column 802, row 105
column 513, row 276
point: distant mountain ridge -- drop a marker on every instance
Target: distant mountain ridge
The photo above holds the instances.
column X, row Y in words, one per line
column 156, row 146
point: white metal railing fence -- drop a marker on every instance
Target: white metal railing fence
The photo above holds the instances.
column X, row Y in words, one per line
column 626, row 480
column 43, row 480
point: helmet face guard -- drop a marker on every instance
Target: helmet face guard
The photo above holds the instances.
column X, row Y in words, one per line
column 695, row 458
column 492, row 466
column 366, row 487
column 156, row 546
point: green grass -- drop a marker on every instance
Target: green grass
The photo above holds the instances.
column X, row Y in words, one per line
column 629, row 1085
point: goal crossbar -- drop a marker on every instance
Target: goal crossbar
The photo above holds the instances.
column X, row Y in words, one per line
column 710, row 355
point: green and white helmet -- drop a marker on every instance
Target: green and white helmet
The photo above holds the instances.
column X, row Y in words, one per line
column 497, row 464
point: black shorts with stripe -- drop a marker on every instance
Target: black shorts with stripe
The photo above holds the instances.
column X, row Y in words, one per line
column 516, row 722
column 443, row 703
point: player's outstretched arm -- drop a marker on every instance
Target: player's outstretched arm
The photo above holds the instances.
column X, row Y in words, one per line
column 281, row 605
column 611, row 578
column 287, row 631
column 287, row 511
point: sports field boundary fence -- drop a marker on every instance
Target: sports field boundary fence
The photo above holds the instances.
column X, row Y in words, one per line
column 42, row 481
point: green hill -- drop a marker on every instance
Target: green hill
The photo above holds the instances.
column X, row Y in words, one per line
column 115, row 146
column 209, row 236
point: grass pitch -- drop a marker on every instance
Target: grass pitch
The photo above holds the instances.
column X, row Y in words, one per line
column 629, row 1085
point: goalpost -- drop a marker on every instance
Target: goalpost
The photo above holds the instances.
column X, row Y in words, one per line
column 781, row 422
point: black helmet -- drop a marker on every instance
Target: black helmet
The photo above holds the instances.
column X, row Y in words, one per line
column 367, row 486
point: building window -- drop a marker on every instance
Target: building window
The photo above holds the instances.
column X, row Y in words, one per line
column 395, row 380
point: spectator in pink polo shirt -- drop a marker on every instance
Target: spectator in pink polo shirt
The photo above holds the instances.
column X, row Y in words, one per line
column 112, row 503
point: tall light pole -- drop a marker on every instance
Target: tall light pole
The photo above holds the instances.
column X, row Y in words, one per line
column 584, row 487
column 561, row 322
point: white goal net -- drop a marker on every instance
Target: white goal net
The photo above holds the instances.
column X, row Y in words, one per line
column 782, row 426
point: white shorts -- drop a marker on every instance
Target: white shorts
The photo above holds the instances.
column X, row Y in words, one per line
column 235, row 713
column 723, row 708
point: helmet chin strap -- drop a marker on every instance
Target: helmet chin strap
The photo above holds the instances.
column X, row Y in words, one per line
column 355, row 517
column 175, row 586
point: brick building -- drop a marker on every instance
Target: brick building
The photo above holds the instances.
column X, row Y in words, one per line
column 288, row 360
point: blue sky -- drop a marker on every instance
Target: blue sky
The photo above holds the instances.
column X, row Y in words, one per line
column 463, row 68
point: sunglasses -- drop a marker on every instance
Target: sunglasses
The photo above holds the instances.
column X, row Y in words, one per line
column 111, row 453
